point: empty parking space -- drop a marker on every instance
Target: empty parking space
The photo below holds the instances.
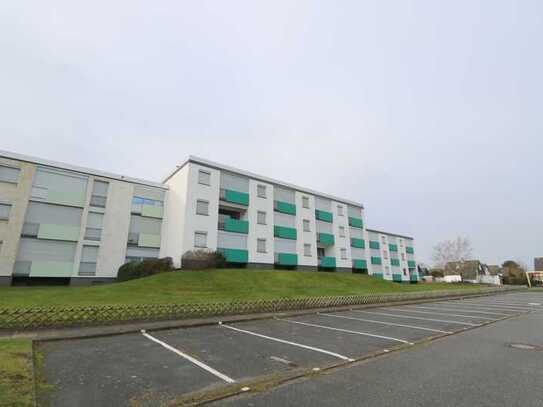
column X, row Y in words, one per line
column 152, row 367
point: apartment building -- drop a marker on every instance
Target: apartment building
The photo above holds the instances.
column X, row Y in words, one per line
column 81, row 225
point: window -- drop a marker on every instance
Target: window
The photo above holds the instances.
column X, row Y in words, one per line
column 307, row 226
column 261, row 245
column 5, row 209
column 261, row 218
column 342, row 231
column 307, row 250
column 200, row 239
column 305, row 201
column 89, row 257
column 385, row 254
column 403, row 256
column 145, row 201
column 343, row 254
column 94, row 226
column 204, row 177
column 404, row 272
column 261, row 191
column 383, row 239
column 340, row 210
column 9, row 174
column 99, row 194
column 1, row 243
column 202, row 207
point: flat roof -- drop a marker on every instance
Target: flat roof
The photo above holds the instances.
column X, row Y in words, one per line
column 218, row 166
column 391, row 234
column 81, row 170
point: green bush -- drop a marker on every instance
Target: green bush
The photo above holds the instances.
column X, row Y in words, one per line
column 148, row 267
column 203, row 259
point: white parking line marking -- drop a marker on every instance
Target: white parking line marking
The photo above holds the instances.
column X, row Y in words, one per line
column 346, row 330
column 421, row 318
column 503, row 307
column 191, row 359
column 534, row 303
column 442, row 313
column 386, row 323
column 517, row 304
column 299, row 345
column 462, row 309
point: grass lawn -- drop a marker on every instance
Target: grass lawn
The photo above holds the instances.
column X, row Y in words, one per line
column 16, row 373
column 210, row 286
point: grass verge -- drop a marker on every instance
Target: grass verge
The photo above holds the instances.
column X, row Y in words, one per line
column 211, row 286
column 16, row 388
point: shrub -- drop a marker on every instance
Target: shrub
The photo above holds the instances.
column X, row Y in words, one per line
column 148, row 267
column 436, row 273
column 203, row 259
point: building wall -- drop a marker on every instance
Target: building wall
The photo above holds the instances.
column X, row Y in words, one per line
column 306, row 237
column 258, row 231
column 15, row 194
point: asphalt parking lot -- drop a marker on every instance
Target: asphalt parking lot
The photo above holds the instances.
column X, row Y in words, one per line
column 154, row 368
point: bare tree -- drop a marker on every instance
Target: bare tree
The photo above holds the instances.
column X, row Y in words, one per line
column 459, row 249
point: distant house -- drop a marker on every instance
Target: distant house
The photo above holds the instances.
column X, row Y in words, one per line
column 469, row 270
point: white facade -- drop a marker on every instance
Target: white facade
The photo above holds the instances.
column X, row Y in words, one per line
column 81, row 224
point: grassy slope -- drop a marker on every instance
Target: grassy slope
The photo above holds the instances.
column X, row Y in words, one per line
column 15, row 373
column 209, row 286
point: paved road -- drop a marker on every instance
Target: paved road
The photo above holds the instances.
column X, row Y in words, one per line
column 471, row 367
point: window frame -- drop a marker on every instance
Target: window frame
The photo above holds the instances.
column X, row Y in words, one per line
column 207, row 207
column 207, row 173
column 258, row 242
column 259, row 188
column 307, row 245
column 11, row 168
column 258, row 213
column 9, row 206
column 201, row 233
column 341, row 231
column 340, row 211
column 343, row 253
column 305, row 199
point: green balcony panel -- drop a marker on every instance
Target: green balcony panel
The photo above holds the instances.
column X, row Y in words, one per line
column 285, row 207
column 397, row 277
column 410, row 250
column 393, row 247
column 356, row 223
column 411, row 264
column 376, row 260
column 360, row 264
column 235, row 255
column 358, row 243
column 395, row 262
column 413, row 277
column 378, row 275
column 148, row 240
column 66, row 198
column 374, row 245
column 287, row 259
column 240, row 198
column 324, row 216
column 236, row 225
column 327, row 262
column 285, row 232
column 58, row 232
column 325, row 238
column 51, row 269
column 152, row 211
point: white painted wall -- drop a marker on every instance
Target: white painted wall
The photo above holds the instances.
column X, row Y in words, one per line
column 306, row 237
column 341, row 242
column 173, row 225
column 257, row 231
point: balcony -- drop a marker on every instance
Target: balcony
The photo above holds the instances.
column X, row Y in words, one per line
column 286, row 259
column 327, row 262
column 409, row 250
column 359, row 264
column 397, row 277
column 395, row 262
column 356, row 223
column 51, row 232
column 51, row 269
column 378, row 275
column 235, row 255
column 285, row 232
column 376, row 260
column 358, row 243
column 143, row 240
column 324, row 216
column 326, row 239
column 374, row 245
column 413, row 277
column 392, row 247
column 152, row 211
column 233, row 225
column 411, row 264
column 284, row 207
column 236, row 197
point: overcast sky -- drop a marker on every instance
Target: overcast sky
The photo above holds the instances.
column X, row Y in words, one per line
column 428, row 112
